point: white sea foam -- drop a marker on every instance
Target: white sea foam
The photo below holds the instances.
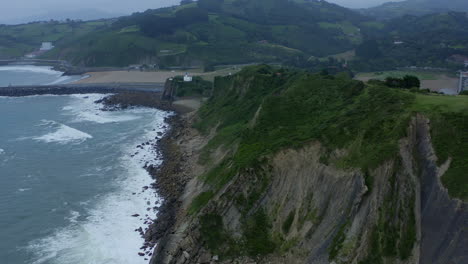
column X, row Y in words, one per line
column 62, row 79
column 63, row 134
column 107, row 233
column 24, row 189
column 2, row 151
column 30, row 68
column 84, row 109
column 73, row 216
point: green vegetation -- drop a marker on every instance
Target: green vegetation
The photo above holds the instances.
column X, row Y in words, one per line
column 382, row 75
column 258, row 240
column 208, row 33
column 197, row 87
column 213, row 233
column 288, row 222
column 414, row 8
column 450, row 139
column 408, row 82
column 200, row 201
column 434, row 40
column 297, row 108
column 395, row 233
column 449, row 123
column 263, row 109
column 17, row 40
column 337, row 242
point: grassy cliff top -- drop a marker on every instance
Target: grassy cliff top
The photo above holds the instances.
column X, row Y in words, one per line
column 263, row 109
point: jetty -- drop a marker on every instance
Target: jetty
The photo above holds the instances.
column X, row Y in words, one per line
column 63, row 89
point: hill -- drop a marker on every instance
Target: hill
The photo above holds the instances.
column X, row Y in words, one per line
column 435, row 40
column 290, row 167
column 17, row 40
column 85, row 14
column 212, row 32
column 415, row 7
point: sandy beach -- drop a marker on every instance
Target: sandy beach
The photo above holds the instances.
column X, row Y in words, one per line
column 130, row 77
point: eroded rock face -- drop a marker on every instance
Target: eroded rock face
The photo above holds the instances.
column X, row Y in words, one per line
column 444, row 221
column 324, row 214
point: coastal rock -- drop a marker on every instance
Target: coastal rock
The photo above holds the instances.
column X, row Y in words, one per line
column 205, row 257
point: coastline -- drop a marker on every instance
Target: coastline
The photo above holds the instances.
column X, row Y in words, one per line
column 129, row 76
column 171, row 177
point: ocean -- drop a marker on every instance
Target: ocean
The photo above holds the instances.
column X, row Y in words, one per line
column 72, row 179
column 32, row 75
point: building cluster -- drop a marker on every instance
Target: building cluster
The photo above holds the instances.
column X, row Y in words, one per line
column 45, row 46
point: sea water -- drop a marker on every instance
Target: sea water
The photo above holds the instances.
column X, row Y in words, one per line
column 32, row 75
column 72, row 176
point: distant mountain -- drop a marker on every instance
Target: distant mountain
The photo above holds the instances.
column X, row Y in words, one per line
column 80, row 14
column 415, row 7
column 436, row 40
column 215, row 32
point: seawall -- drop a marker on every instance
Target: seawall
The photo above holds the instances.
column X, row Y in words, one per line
column 17, row 91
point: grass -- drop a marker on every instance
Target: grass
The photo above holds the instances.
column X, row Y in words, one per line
column 196, row 88
column 18, row 40
column 258, row 239
column 213, row 233
column 450, row 140
column 262, row 110
column 399, row 74
column 337, row 242
column 288, row 222
column 200, row 201
column 298, row 108
column 440, row 103
column 449, row 123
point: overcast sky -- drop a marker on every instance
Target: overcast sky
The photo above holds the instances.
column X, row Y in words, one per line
column 14, row 9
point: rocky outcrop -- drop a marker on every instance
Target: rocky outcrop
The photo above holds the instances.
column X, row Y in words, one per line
column 444, row 221
column 398, row 212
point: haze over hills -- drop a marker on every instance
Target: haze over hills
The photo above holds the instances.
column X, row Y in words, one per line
column 85, row 14
column 213, row 32
column 415, row 7
column 306, row 34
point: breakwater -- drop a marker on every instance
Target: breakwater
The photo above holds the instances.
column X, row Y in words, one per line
column 17, row 91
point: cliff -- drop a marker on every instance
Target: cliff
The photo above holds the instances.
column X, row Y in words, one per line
column 288, row 167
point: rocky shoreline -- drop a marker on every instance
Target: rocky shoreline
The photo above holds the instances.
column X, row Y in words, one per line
column 171, row 177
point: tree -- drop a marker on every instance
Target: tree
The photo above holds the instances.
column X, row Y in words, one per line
column 368, row 49
column 411, row 81
column 210, row 5
column 192, row 15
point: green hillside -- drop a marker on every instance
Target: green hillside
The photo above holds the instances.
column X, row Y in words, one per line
column 263, row 111
column 415, row 7
column 212, row 32
column 431, row 40
column 17, row 40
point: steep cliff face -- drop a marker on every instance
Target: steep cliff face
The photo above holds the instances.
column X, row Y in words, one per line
column 444, row 220
column 304, row 204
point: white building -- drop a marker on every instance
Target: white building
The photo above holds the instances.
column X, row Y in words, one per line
column 46, row 46
column 187, row 78
column 463, row 82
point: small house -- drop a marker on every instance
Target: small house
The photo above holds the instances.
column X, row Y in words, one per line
column 187, row 78
column 46, row 46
